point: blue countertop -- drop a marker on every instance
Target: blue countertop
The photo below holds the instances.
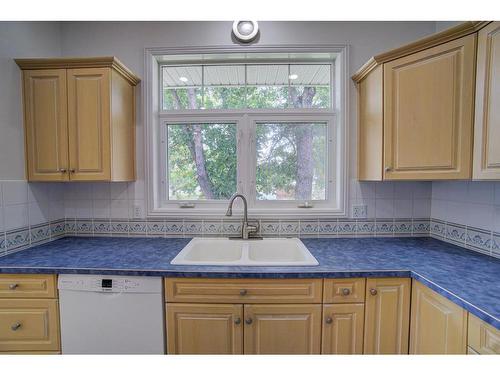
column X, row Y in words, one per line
column 469, row 279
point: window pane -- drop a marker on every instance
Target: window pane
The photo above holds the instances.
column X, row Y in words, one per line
column 201, row 161
column 309, row 86
column 267, row 86
column 291, row 161
column 182, row 87
column 224, row 86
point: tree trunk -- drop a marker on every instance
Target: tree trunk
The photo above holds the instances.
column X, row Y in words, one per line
column 304, row 139
column 195, row 145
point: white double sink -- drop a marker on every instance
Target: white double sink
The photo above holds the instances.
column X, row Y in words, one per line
column 226, row 252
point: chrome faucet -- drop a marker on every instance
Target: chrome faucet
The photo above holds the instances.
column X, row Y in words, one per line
column 247, row 230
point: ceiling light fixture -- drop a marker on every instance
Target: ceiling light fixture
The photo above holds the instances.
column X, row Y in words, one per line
column 293, row 76
column 183, row 79
column 245, row 31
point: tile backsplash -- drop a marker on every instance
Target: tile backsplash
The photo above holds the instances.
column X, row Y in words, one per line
column 464, row 213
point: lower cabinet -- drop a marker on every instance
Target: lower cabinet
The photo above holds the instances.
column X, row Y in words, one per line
column 228, row 328
column 204, row 328
column 387, row 316
column 343, row 329
column 482, row 338
column 438, row 326
column 282, row 329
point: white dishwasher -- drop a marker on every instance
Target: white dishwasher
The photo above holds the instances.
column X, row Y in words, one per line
column 111, row 314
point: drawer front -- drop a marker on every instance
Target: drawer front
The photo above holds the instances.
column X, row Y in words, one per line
column 241, row 291
column 344, row 291
column 482, row 337
column 28, row 286
column 29, row 325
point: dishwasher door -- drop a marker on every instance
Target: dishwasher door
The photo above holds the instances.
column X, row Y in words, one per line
column 111, row 314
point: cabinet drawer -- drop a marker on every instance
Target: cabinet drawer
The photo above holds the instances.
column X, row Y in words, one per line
column 29, row 325
column 28, row 286
column 344, row 291
column 482, row 337
column 241, row 291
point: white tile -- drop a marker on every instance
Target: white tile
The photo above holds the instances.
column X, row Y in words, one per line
column 480, row 215
column 15, row 192
column 136, row 190
column 56, row 210
column 119, row 190
column 38, row 213
column 366, row 190
column 83, row 209
column 384, row 208
column 354, row 188
column 422, row 189
column 457, row 191
column 16, row 216
column 497, row 193
column 69, row 209
column 496, row 222
column 440, row 190
column 120, row 209
column 101, row 191
column 38, row 192
column 421, row 208
column 481, row 192
column 403, row 190
column 384, row 190
column 438, row 209
column 456, row 212
column 57, row 192
column 78, row 191
column 402, row 208
column 1, row 221
column 101, row 209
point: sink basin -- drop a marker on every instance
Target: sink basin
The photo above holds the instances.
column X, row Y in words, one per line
column 225, row 252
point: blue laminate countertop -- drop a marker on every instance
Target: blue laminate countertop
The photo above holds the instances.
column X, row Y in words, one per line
column 469, row 279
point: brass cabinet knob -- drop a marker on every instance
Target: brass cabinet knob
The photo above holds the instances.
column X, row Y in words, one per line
column 346, row 291
column 329, row 320
column 248, row 320
column 15, row 326
column 13, row 286
column 373, row 291
column 237, row 321
column 62, row 170
column 243, row 292
column 387, row 169
column 72, row 170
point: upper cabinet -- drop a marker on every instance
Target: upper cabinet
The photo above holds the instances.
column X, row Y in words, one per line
column 416, row 109
column 487, row 119
column 79, row 119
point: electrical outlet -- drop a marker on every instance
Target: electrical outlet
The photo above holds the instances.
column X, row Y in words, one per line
column 360, row 211
column 137, row 211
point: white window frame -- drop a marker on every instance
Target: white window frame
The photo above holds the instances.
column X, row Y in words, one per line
column 155, row 119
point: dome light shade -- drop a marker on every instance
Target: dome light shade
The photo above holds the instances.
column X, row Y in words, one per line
column 245, row 31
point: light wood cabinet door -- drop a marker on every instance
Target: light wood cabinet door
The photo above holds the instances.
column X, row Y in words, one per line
column 204, row 328
column 45, row 119
column 29, row 325
column 438, row 326
column 282, row 329
column 343, row 329
column 487, row 119
column 28, row 286
column 387, row 316
column 89, row 124
column 482, row 337
column 428, row 112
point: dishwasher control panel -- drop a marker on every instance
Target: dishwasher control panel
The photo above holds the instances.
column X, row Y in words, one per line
column 110, row 283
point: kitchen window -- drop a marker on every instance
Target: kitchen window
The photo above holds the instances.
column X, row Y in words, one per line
column 271, row 130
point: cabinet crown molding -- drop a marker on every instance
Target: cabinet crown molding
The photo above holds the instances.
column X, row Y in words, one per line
column 433, row 40
column 79, row 62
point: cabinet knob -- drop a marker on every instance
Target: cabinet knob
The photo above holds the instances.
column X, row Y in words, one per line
column 248, row 320
column 13, row 286
column 373, row 291
column 243, row 292
column 387, row 169
column 346, row 291
column 72, row 170
column 329, row 320
column 237, row 321
column 62, row 170
column 15, row 326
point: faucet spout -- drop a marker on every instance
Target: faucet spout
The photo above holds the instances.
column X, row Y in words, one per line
column 246, row 229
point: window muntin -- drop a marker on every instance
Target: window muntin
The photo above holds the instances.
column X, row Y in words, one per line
column 201, row 161
column 246, row 86
column 292, row 161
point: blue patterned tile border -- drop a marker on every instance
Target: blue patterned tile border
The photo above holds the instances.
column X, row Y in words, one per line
column 289, row 228
column 495, row 245
column 455, row 233
column 17, row 238
column 40, row 233
column 174, row 228
column 479, row 240
column 57, row 229
column 438, row 229
column 403, row 227
column 212, row 228
column 421, row 227
column 193, row 228
column 384, row 228
column 84, row 227
column 269, row 228
column 309, row 228
column 138, row 228
column 347, row 228
column 101, row 227
column 156, row 228
column 119, row 227
column 328, row 228
column 365, row 228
